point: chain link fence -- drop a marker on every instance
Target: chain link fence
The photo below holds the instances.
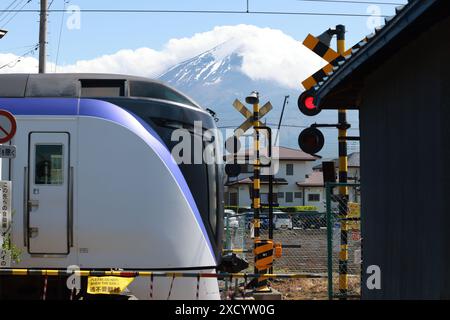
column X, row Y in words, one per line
column 311, row 243
column 303, row 236
column 338, row 222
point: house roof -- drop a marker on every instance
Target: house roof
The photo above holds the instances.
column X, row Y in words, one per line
column 314, row 179
column 279, row 153
column 343, row 85
column 353, row 161
column 264, row 180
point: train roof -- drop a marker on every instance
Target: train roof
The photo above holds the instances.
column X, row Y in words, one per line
column 87, row 85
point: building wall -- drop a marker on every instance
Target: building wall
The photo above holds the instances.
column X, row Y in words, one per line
column 300, row 170
column 245, row 201
column 320, row 205
column 404, row 123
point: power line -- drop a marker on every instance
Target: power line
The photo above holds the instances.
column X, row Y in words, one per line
column 11, row 4
column 354, row 2
column 60, row 33
column 17, row 48
column 18, row 59
column 16, row 13
column 342, row 14
column 8, row 11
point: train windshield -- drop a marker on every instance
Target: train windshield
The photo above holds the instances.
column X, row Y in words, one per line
column 157, row 91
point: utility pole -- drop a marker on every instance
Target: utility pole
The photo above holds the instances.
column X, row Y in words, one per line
column 43, row 36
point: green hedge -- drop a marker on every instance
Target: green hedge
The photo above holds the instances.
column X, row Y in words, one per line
column 298, row 208
column 284, row 209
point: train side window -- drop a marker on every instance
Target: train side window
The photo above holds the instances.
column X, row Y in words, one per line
column 49, row 164
column 102, row 88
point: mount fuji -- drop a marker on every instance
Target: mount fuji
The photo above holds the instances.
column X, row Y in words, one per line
column 217, row 77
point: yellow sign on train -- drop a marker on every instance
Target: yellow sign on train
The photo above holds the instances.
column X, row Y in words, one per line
column 108, row 285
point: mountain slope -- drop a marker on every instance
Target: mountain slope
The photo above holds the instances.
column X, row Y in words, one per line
column 215, row 78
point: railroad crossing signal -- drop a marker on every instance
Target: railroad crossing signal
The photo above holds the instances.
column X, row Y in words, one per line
column 311, row 139
column 263, row 249
column 232, row 144
column 248, row 123
column 333, row 58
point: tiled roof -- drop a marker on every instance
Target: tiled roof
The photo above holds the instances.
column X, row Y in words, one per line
column 353, row 161
column 264, row 180
column 315, row 179
column 280, row 153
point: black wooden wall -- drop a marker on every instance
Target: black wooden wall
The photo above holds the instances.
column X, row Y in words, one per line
column 405, row 161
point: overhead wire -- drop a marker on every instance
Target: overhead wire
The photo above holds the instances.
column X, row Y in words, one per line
column 60, row 34
column 6, row 12
column 9, row 6
column 18, row 59
column 16, row 12
column 304, row 13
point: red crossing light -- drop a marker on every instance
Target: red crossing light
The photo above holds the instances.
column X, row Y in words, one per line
column 306, row 104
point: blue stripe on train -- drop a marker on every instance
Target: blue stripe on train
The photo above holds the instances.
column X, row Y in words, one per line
column 108, row 111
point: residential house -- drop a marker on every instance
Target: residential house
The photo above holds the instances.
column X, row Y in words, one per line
column 293, row 167
column 353, row 175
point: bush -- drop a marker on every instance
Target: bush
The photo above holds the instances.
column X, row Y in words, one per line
column 298, row 208
column 284, row 209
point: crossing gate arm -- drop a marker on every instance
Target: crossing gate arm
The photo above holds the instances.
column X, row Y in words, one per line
column 139, row 273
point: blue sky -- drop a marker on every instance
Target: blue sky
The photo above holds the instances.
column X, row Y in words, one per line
column 107, row 33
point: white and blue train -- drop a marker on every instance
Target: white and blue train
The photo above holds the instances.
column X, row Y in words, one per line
column 95, row 184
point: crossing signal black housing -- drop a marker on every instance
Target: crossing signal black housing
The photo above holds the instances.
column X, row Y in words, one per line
column 232, row 169
column 306, row 104
column 311, row 140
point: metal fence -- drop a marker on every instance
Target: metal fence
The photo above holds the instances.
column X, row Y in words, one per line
column 303, row 236
column 311, row 241
column 335, row 221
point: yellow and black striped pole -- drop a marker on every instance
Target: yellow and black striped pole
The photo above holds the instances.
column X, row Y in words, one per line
column 256, row 176
column 343, row 190
column 262, row 249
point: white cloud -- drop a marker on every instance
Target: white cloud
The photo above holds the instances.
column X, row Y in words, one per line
column 268, row 54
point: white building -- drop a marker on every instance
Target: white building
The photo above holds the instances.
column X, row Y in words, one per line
column 353, row 175
column 295, row 182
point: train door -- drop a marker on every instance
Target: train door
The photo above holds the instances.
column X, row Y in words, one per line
column 49, row 193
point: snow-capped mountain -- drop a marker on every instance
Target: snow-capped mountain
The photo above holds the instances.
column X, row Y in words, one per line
column 216, row 78
column 208, row 68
